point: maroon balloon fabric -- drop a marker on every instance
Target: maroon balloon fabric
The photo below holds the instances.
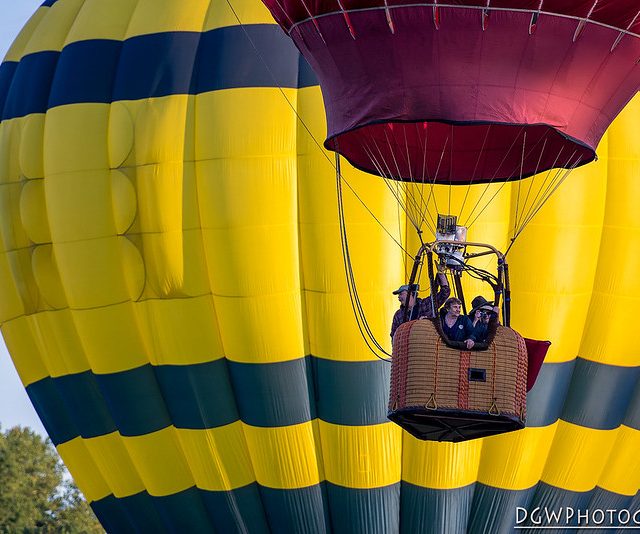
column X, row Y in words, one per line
column 536, row 353
column 458, row 94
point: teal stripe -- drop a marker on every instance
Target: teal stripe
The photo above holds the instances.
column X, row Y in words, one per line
column 494, row 509
column 153, row 65
column 210, row 395
column 433, row 511
column 600, row 395
column 364, row 510
column 546, row 398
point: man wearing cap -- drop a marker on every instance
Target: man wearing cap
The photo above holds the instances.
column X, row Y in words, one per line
column 482, row 312
column 418, row 308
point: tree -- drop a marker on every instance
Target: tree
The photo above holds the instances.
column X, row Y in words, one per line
column 34, row 494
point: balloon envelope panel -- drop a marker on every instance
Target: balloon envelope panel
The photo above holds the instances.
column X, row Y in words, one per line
column 174, row 296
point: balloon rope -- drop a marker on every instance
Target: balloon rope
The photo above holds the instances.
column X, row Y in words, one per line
column 356, row 305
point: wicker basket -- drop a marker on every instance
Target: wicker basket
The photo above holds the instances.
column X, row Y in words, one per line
column 440, row 393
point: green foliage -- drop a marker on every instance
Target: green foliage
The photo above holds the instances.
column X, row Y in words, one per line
column 34, row 494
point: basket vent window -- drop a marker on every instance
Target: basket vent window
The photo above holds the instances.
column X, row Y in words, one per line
column 477, row 375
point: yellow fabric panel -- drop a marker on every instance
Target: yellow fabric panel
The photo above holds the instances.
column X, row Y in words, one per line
column 159, row 460
column 11, row 304
column 47, row 277
column 26, row 351
column 262, row 329
column 161, row 282
column 101, row 20
column 154, row 16
column 285, row 457
column 16, row 270
column 121, row 133
column 113, row 337
column 553, row 263
column 248, row 11
column 162, row 133
column 183, row 331
column 13, row 235
column 58, row 20
column 621, row 473
column 85, row 472
column 515, row 461
column 218, row 457
column 114, row 464
column 55, row 343
column 33, row 212
column 617, row 286
column 431, row 464
column 10, row 137
column 332, row 328
column 75, row 137
column 89, row 204
column 246, row 123
column 101, row 271
column 577, row 456
column 31, row 164
column 361, row 456
column 255, row 256
column 16, row 50
column 151, row 125
column 376, row 258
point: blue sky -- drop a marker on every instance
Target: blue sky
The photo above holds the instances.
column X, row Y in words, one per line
column 15, row 407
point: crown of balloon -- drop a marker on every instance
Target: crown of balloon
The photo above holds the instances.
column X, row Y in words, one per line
column 468, row 91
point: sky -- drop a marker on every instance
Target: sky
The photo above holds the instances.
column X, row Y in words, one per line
column 15, row 406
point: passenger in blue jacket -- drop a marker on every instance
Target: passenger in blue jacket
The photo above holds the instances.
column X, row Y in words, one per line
column 481, row 315
column 455, row 326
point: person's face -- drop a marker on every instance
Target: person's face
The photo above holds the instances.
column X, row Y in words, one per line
column 485, row 316
column 402, row 297
column 454, row 309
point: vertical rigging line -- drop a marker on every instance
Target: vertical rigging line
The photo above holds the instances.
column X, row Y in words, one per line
column 475, row 169
column 515, row 219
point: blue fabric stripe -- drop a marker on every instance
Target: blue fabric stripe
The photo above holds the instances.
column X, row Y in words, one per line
column 553, row 498
column 632, row 417
column 156, row 65
column 276, row 394
column 30, row 85
column 198, row 396
column 210, row 395
column 435, row 511
column 364, row 510
column 239, row 510
column 7, row 71
column 135, row 401
column 152, row 65
column 51, row 409
column 227, row 58
column 48, row 3
column 113, row 516
column 83, row 398
column 599, row 394
column 494, row 509
column 85, row 72
column 297, row 510
column 184, row 512
column 352, row 393
column 546, row 398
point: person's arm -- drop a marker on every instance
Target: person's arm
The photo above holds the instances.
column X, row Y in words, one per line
column 443, row 293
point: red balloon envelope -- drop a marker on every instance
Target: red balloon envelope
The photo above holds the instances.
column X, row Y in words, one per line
column 468, row 91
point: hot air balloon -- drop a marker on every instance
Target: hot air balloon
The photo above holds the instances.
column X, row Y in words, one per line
column 174, row 297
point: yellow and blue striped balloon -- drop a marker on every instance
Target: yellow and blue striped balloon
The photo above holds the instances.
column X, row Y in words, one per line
column 175, row 302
